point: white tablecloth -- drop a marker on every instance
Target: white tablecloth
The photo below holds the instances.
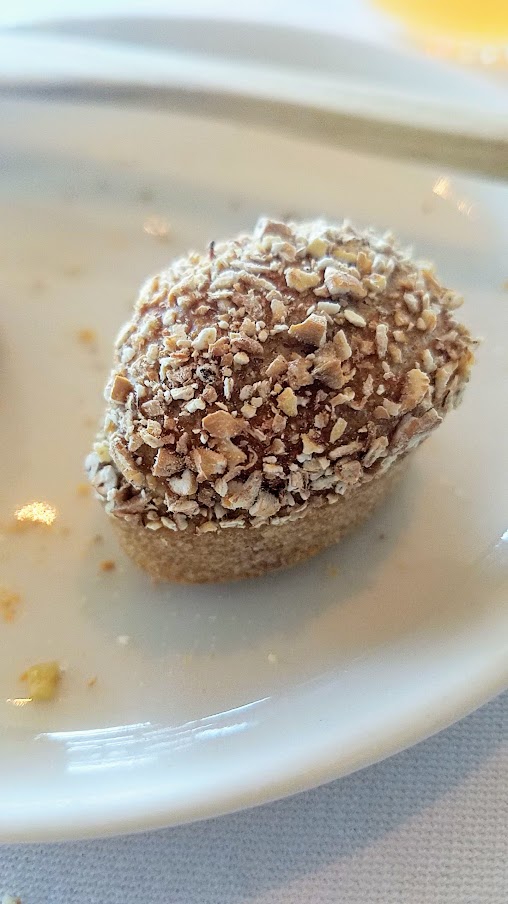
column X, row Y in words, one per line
column 429, row 826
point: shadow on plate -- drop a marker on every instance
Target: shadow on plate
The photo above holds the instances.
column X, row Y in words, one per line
column 243, row 615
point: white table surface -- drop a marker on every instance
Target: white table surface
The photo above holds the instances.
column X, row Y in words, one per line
column 429, row 826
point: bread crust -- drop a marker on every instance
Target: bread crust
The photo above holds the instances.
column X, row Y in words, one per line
column 230, row 555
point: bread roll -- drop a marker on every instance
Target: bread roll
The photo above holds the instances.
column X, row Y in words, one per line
column 265, row 394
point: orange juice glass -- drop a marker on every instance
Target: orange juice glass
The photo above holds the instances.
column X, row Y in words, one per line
column 470, row 30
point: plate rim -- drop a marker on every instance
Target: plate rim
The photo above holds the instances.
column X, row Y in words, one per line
column 96, row 48
column 134, row 819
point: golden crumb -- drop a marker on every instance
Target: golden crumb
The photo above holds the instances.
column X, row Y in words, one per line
column 505, row 285
column 332, row 571
column 42, row 679
column 107, row 565
column 92, row 681
column 83, row 489
column 86, row 336
column 9, row 602
column 36, row 513
column 11, row 899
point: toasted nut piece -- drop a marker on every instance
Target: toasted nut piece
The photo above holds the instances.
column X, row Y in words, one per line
column 382, row 339
column 427, row 321
column 208, row 462
column 414, row 389
column 288, row 402
column 167, row 463
column 341, row 282
column 355, row 318
column 328, row 369
column 338, row 429
column 265, row 506
column 223, row 425
column 377, row 449
column 298, row 373
column 342, row 346
column 205, row 338
column 312, row 331
column 301, row 280
column 121, row 389
column 246, row 344
column 332, row 308
column 278, row 366
column 185, row 485
column 278, row 309
column 317, row 247
column 309, row 447
column 243, row 495
column 233, row 455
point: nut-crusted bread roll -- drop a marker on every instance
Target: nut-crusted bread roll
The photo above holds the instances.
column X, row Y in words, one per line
column 264, row 395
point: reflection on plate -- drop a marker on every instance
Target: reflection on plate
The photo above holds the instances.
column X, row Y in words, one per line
column 178, row 703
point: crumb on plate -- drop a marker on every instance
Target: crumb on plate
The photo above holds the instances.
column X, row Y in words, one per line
column 42, row 680
column 107, row 565
column 86, row 336
column 9, row 602
column 36, row 513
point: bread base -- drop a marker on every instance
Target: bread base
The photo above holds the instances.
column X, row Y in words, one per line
column 232, row 554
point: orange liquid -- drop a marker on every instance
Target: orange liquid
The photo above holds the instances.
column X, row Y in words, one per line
column 480, row 21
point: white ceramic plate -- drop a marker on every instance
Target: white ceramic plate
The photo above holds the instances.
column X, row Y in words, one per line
column 224, row 697
column 337, row 60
